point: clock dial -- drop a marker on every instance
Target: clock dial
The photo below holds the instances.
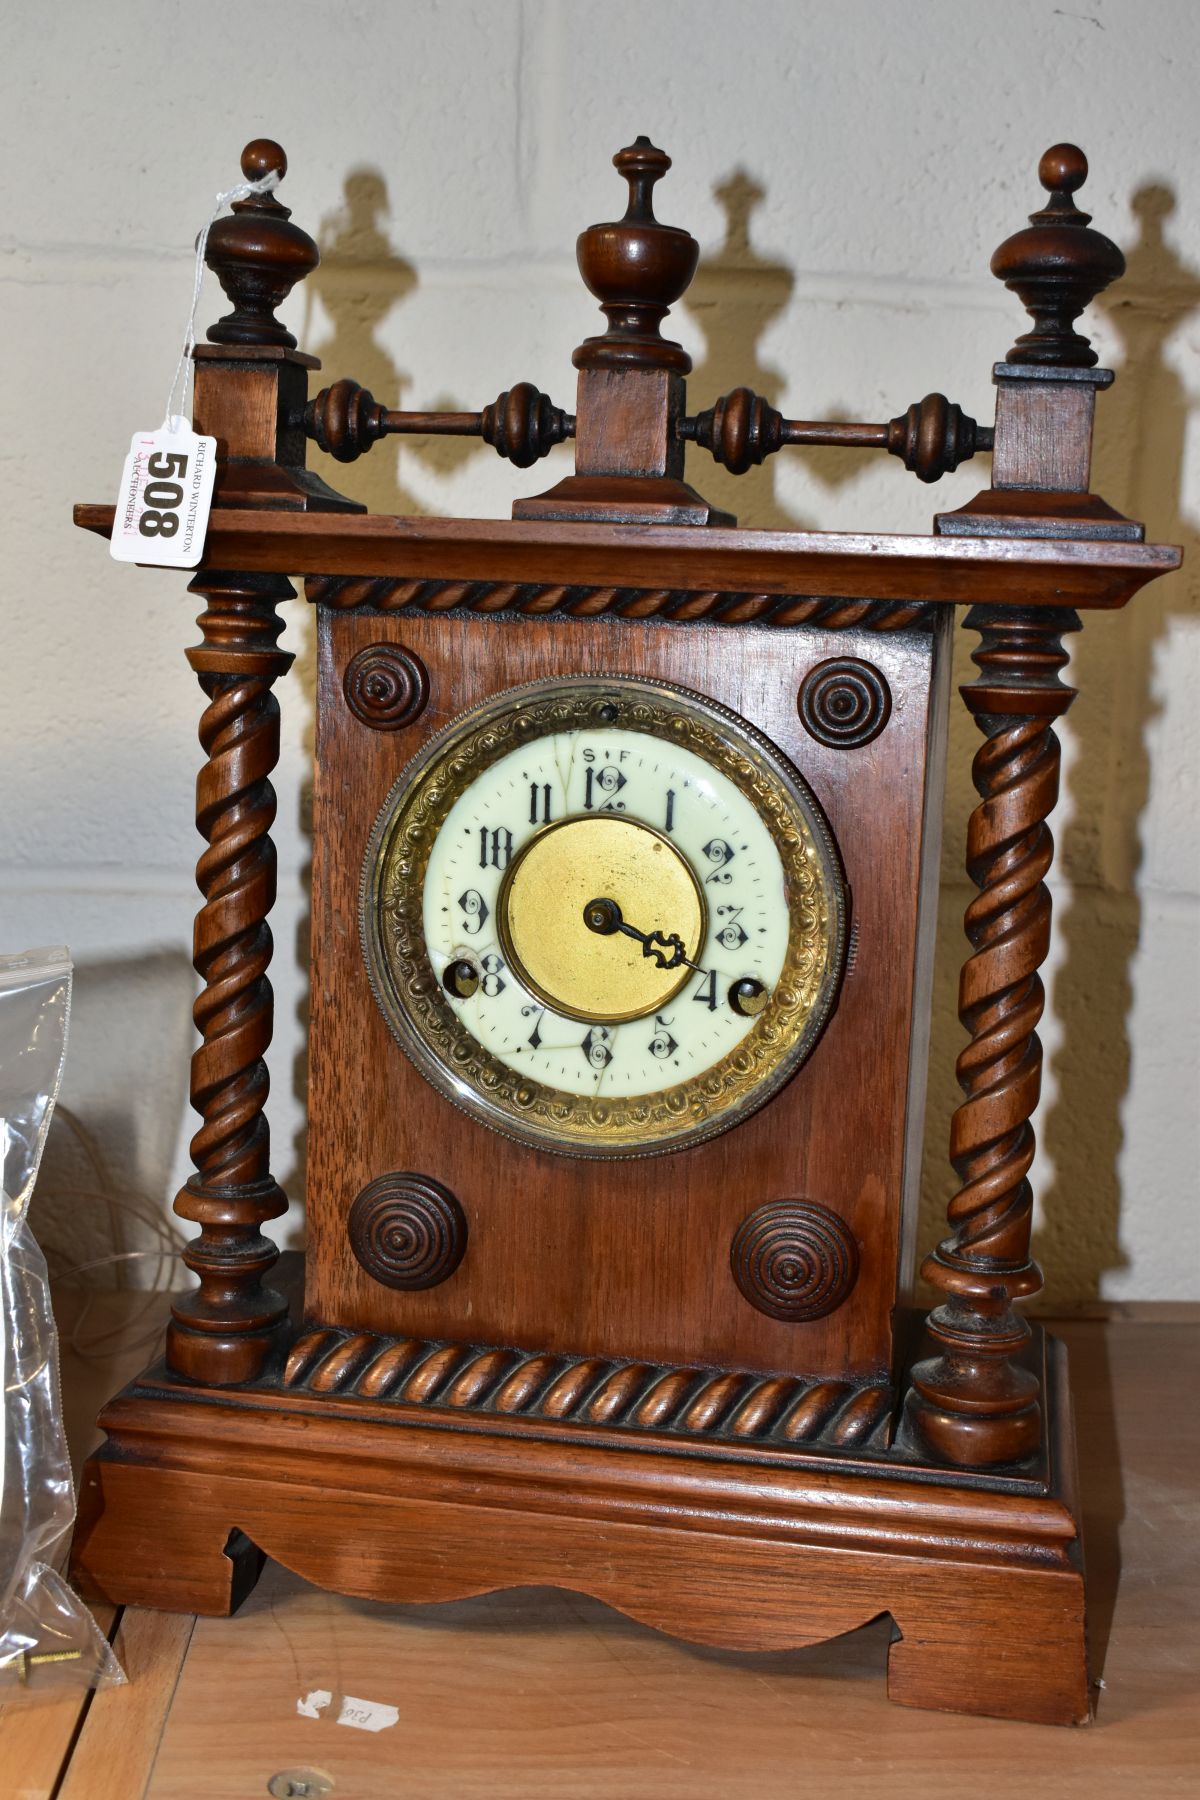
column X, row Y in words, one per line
column 605, row 917
column 660, row 842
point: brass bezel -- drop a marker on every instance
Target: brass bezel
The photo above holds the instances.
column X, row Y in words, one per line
column 426, row 1025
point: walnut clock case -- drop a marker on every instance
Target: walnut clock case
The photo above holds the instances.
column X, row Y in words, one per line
column 623, row 900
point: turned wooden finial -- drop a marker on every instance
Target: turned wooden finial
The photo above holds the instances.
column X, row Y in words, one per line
column 637, row 268
column 1056, row 266
column 258, row 256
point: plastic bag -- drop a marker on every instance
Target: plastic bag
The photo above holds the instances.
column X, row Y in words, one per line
column 48, row 1639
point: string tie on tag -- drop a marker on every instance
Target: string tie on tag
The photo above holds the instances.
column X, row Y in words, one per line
column 245, row 190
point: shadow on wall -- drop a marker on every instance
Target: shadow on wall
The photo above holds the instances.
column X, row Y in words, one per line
column 360, row 281
column 105, row 1179
column 1140, row 449
column 1141, row 427
column 737, row 295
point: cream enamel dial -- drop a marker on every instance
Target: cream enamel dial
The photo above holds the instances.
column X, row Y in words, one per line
column 603, row 916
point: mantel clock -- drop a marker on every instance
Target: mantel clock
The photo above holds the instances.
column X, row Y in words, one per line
column 624, row 880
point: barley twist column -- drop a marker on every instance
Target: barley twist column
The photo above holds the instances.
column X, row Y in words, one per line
column 224, row 1330
column 974, row 1401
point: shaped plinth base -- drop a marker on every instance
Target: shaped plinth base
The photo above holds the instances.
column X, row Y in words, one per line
column 1020, row 513
column 746, row 1547
column 622, row 500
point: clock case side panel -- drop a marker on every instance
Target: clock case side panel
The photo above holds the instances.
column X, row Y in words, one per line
column 624, row 1260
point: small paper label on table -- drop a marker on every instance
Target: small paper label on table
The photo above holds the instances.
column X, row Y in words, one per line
column 367, row 1715
column 165, row 497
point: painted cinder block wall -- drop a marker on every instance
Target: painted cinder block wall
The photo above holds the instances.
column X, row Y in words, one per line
column 848, row 171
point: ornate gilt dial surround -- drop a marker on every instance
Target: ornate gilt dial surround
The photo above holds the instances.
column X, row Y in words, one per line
column 424, row 1021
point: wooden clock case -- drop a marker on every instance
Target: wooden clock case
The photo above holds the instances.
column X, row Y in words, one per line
column 565, row 1379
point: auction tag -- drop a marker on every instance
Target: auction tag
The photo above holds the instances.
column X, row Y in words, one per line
column 165, row 497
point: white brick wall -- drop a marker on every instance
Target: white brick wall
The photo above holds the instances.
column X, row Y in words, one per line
column 848, row 171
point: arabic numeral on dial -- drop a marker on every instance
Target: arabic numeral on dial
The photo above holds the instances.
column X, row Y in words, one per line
column 539, row 803
column 721, row 853
column 670, row 823
column 595, row 1046
column 492, row 984
column 601, row 790
column 662, row 1044
column 537, row 1014
column 731, row 936
column 706, row 993
column 475, row 910
column 495, row 848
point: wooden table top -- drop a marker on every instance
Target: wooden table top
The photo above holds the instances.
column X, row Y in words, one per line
column 541, row 1695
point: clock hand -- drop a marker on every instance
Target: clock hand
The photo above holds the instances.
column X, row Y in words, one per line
column 604, row 917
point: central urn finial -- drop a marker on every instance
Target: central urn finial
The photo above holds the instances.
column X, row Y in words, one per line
column 637, row 268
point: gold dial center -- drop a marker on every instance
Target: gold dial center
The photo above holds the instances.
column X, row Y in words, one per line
column 599, row 978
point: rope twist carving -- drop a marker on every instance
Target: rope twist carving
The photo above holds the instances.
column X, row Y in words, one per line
column 1001, row 997
column 590, row 1390
column 235, row 811
column 537, row 600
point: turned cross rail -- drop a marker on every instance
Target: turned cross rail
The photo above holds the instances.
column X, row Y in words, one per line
column 740, row 430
